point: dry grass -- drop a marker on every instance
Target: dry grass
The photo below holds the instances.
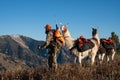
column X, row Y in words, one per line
column 105, row 71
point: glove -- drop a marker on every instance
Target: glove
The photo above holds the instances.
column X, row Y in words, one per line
column 38, row 47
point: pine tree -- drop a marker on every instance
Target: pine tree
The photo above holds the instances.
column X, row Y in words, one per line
column 115, row 37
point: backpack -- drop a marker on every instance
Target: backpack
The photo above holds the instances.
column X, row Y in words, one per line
column 58, row 36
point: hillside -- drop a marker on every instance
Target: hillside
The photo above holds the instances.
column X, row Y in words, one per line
column 20, row 60
column 14, row 52
column 68, row 71
column 19, row 50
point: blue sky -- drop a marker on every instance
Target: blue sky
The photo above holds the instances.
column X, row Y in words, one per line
column 28, row 17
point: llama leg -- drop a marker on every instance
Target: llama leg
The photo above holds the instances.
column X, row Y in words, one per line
column 79, row 59
column 75, row 59
column 113, row 54
column 99, row 57
column 102, row 57
column 75, row 54
column 93, row 59
column 107, row 58
column 92, row 62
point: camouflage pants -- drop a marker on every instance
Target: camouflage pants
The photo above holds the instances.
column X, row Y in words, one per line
column 52, row 58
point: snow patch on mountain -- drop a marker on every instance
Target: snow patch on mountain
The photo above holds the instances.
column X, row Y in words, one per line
column 17, row 38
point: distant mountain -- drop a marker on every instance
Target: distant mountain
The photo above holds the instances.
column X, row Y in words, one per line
column 17, row 51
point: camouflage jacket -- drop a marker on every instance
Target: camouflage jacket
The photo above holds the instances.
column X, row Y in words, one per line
column 50, row 40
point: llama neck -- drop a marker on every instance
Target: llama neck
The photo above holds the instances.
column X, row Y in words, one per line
column 97, row 37
column 69, row 41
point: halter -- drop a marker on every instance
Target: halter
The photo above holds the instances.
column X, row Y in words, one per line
column 66, row 37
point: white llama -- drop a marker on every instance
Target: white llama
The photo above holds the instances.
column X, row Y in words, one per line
column 69, row 42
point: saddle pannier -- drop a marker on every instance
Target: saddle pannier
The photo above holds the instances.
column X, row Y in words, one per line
column 85, row 46
column 108, row 44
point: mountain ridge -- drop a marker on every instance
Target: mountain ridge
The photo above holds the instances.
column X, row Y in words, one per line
column 18, row 51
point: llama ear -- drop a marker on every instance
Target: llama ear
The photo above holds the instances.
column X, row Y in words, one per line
column 61, row 23
column 62, row 27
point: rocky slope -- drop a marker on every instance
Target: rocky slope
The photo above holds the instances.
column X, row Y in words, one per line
column 17, row 51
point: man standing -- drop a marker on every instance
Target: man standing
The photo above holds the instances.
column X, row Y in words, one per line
column 53, row 45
